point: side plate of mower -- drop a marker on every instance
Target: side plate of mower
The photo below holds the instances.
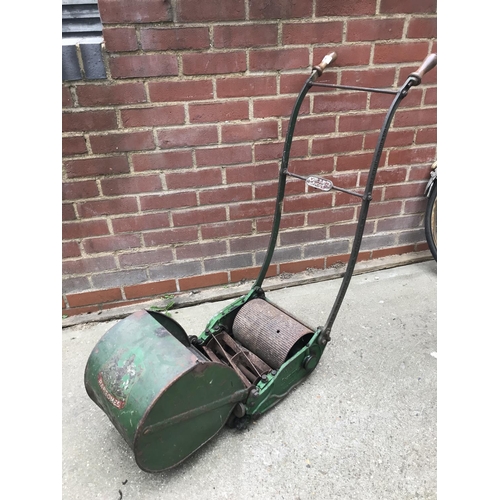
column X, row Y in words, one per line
column 167, row 393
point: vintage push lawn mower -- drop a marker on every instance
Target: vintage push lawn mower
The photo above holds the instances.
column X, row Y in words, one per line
column 168, row 394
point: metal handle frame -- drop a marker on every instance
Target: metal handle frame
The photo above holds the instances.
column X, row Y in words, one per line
column 400, row 94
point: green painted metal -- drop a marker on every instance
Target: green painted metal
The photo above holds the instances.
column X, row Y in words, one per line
column 164, row 398
column 276, row 386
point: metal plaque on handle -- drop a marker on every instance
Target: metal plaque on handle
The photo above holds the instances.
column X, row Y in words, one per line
column 319, row 183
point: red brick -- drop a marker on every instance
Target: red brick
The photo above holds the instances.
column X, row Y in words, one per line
column 426, row 136
column 149, row 289
column 297, row 267
column 347, row 55
column 343, row 101
column 422, row 28
column 213, row 64
column 310, row 166
column 385, row 176
column 226, row 229
column 277, row 106
column 93, row 297
column 87, row 167
column 130, row 11
column 418, row 173
column 168, row 201
column 231, row 194
column 170, row 236
column 251, row 209
column 279, row 9
column 175, row 38
column 302, row 236
column 408, row 6
column 106, row 95
column 415, row 117
column 347, row 199
column 359, row 8
column 152, row 117
column 330, row 145
column 405, row 190
column 248, row 244
column 251, row 173
column 274, row 150
column 120, row 39
column 330, row 216
column 430, row 96
column 384, row 209
column 84, row 229
column 147, row 257
column 162, row 161
column 400, row 52
column 201, row 250
column 190, row 136
column 251, row 273
column 83, row 121
column 361, row 122
column 412, row 155
column 306, row 202
column 246, row 86
column 140, row 223
column 224, row 155
column 358, row 161
column 383, row 101
column 73, row 146
column 79, row 190
column 111, row 243
column 394, row 138
column 124, row 141
column 203, row 281
column 361, row 30
column 190, row 90
column 269, row 189
column 68, row 212
column 292, row 83
column 194, row 178
column 379, row 77
column 218, row 112
column 308, row 33
column 98, row 208
column 199, row 216
column 278, row 59
column 67, row 99
column 415, row 206
column 313, row 125
column 254, row 35
column 377, row 254
column 210, row 10
column 264, row 224
column 88, row 265
column 130, row 185
column 143, row 65
column 244, row 132
column 70, row 249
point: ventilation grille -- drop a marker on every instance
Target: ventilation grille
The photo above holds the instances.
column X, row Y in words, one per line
column 81, row 21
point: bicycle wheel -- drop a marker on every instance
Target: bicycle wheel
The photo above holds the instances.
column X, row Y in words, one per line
column 430, row 221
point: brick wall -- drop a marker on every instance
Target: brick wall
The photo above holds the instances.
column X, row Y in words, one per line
column 170, row 163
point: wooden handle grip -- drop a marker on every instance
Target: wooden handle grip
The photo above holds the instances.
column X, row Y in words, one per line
column 327, row 60
column 429, row 62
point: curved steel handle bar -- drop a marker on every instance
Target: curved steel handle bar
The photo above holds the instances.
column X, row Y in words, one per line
column 367, row 196
column 282, row 180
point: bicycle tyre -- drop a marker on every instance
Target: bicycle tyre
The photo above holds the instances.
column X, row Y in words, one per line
column 430, row 221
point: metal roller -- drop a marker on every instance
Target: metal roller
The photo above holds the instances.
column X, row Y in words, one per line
column 268, row 332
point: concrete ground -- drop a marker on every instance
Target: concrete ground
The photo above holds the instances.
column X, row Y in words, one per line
column 361, row 426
